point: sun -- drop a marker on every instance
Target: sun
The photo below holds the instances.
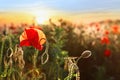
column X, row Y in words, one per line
column 41, row 17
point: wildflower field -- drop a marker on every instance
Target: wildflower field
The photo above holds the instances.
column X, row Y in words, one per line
column 46, row 52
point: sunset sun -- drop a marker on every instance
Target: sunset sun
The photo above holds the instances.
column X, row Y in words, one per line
column 41, row 17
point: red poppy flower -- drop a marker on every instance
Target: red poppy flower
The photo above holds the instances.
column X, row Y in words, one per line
column 98, row 29
column 105, row 40
column 33, row 37
column 97, row 25
column 12, row 26
column 24, row 24
column 106, row 32
column 115, row 28
column 91, row 24
column 107, row 53
column 94, row 24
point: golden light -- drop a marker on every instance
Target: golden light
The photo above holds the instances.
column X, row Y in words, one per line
column 41, row 20
column 41, row 17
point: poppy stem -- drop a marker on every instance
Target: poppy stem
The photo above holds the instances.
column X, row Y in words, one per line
column 1, row 55
column 10, row 41
column 35, row 58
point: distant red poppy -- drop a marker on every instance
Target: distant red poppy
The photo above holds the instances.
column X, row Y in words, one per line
column 105, row 40
column 107, row 53
column 106, row 32
column 33, row 37
column 91, row 24
column 115, row 28
column 12, row 26
column 24, row 24
column 94, row 24
column 97, row 24
column 98, row 29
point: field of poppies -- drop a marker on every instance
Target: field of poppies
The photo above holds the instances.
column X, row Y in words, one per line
column 46, row 52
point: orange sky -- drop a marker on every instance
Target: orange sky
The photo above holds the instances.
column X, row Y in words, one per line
column 16, row 18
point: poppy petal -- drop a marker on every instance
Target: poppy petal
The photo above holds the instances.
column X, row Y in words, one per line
column 24, row 43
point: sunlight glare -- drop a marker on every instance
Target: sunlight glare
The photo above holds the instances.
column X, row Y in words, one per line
column 41, row 20
column 41, row 17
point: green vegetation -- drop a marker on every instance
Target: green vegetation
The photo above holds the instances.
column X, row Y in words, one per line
column 64, row 40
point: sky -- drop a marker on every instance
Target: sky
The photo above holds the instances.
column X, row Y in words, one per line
column 69, row 6
column 73, row 10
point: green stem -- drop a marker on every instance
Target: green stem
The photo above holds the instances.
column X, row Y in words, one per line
column 35, row 58
column 1, row 55
column 10, row 41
